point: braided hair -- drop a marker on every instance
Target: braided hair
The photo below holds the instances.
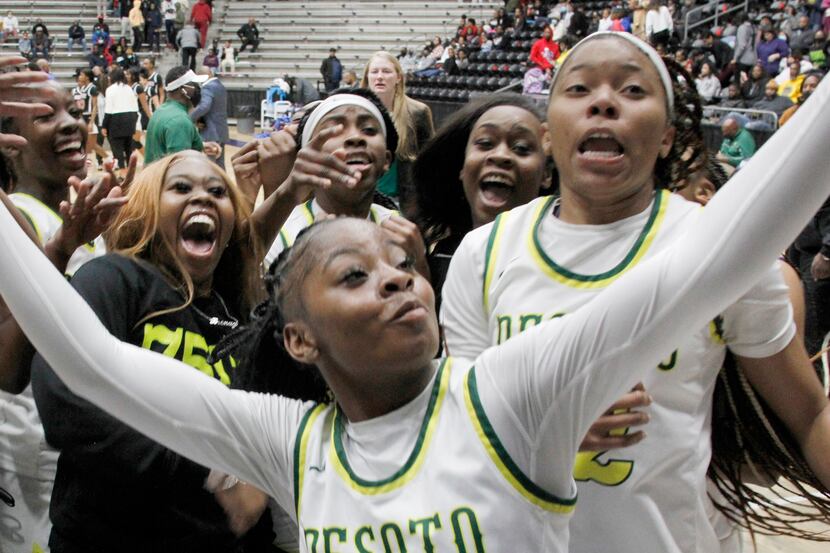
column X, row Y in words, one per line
column 688, row 152
column 264, row 364
column 7, row 176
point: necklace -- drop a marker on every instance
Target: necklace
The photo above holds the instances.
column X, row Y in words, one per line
column 231, row 322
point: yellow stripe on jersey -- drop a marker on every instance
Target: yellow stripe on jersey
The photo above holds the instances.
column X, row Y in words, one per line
column 491, row 255
column 498, row 454
column 308, row 212
column 300, row 451
column 716, row 331
column 33, row 220
column 576, row 280
column 410, row 469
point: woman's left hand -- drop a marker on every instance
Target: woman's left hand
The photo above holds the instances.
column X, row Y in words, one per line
column 408, row 236
column 95, row 207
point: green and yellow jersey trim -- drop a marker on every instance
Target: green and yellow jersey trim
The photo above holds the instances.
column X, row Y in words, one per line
column 32, row 221
column 308, row 212
column 413, row 464
column 576, row 280
column 498, row 454
column 491, row 255
column 716, row 331
column 301, row 451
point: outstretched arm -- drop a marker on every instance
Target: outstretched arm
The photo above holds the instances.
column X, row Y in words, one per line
column 569, row 369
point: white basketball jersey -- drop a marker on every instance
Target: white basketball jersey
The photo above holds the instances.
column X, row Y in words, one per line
column 23, row 448
column 456, row 491
column 650, row 497
column 303, row 216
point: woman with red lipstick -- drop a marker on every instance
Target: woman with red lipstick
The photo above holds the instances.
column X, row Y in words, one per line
column 182, row 272
column 413, row 120
column 610, row 129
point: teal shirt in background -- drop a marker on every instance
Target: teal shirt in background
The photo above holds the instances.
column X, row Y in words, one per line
column 738, row 149
column 170, row 130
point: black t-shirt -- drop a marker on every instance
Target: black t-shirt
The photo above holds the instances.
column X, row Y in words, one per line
column 115, row 489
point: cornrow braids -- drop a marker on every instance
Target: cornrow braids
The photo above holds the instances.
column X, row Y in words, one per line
column 748, row 439
column 689, row 148
column 264, row 364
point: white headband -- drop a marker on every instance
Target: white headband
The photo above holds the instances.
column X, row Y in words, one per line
column 643, row 47
column 188, row 77
column 334, row 102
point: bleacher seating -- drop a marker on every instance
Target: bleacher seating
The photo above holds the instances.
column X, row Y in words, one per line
column 298, row 33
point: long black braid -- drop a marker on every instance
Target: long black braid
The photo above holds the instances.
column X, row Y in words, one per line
column 264, row 364
column 689, row 148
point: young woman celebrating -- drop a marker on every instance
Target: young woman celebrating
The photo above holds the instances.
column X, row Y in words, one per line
column 488, row 450
column 413, row 121
column 487, row 158
column 610, row 129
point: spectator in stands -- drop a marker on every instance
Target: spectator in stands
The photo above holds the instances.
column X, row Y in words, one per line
column 738, row 144
column 188, row 42
column 407, row 60
column 579, row 23
column 752, row 88
column 39, row 26
column 470, row 29
column 153, row 22
column 76, row 36
column 483, row 42
column 124, row 7
column 820, row 50
column 450, row 65
column 789, row 21
column 808, row 86
column 332, row 70
column 731, row 97
column 227, row 58
column 659, row 23
column 137, row 24
column 24, row 45
column 170, row 129
column 770, row 51
column 437, row 49
column 791, row 88
column 719, row 49
column 11, row 27
column 350, row 80
column 43, row 66
column 638, row 19
column 249, row 35
column 212, row 112
column 744, row 56
column 40, row 45
column 802, row 36
column 545, row 51
column 101, row 27
column 168, row 10
column 201, row 16
column 120, row 117
column 706, row 83
column 796, row 56
column 96, row 58
column 605, row 21
column 772, row 101
column 211, row 61
column 413, row 121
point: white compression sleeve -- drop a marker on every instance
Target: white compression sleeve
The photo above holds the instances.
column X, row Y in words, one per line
column 555, row 379
column 244, row 434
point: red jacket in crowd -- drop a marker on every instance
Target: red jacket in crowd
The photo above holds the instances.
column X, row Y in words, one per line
column 544, row 53
column 201, row 13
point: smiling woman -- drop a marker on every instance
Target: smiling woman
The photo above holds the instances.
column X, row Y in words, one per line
column 180, row 275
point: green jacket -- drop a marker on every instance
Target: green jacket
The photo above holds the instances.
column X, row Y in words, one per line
column 170, row 130
column 739, row 148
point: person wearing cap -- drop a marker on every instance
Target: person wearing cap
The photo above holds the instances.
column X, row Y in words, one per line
column 170, row 129
column 212, row 110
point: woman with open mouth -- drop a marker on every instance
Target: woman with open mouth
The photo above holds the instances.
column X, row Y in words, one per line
column 489, row 449
column 181, row 273
column 611, row 133
column 484, row 160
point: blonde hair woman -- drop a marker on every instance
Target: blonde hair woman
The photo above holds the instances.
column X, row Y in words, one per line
column 413, row 121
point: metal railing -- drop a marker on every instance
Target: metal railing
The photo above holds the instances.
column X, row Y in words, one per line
column 716, row 4
column 718, row 113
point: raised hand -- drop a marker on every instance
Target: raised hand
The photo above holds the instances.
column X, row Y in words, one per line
column 22, row 95
column 276, row 156
column 314, row 169
column 406, row 234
